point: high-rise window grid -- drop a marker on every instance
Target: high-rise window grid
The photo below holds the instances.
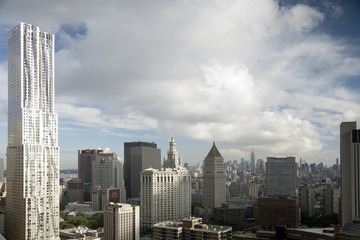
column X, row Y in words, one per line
column 32, row 210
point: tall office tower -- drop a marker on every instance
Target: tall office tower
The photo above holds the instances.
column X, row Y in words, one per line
column 281, row 177
column 253, row 190
column 32, row 204
column 307, row 200
column 121, row 221
column 1, row 170
column 107, row 171
column 214, row 189
column 166, row 193
column 252, row 160
column 313, row 167
column 173, row 160
column 260, row 164
column 85, row 159
column 137, row 157
column 75, row 189
column 350, row 172
column 331, row 199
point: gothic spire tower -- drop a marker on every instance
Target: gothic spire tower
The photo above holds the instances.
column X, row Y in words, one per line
column 173, row 159
column 174, row 204
column 32, row 209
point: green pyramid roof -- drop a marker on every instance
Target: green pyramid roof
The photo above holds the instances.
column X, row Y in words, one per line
column 214, row 152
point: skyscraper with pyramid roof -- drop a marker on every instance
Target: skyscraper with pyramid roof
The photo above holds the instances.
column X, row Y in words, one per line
column 214, row 190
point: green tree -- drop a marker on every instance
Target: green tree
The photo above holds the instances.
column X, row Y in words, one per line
column 63, row 215
column 78, row 221
column 65, row 225
column 99, row 219
column 319, row 221
column 79, row 214
column 92, row 224
column 95, row 222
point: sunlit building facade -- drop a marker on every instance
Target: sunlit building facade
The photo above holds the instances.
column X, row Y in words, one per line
column 32, row 204
column 214, row 189
column 107, row 171
column 121, row 221
column 166, row 193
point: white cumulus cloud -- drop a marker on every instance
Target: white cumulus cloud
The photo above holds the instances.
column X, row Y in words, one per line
column 245, row 73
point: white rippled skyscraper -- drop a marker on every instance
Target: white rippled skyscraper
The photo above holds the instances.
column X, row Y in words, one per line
column 32, row 204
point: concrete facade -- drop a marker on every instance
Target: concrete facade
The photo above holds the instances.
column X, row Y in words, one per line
column 165, row 195
column 214, row 189
column 107, row 172
column 85, row 159
column 307, row 199
column 75, row 190
column 101, row 197
column 230, row 215
column 281, row 177
column 121, row 221
column 350, row 172
column 32, row 202
column 331, row 199
column 253, row 190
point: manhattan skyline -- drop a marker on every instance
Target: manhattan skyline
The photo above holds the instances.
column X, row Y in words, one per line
column 278, row 76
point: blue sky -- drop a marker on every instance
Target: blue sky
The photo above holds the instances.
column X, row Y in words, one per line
column 278, row 76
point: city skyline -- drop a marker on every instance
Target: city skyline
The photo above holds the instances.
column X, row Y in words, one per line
column 273, row 75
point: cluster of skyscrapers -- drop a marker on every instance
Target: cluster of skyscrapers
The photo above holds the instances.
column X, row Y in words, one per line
column 100, row 174
column 164, row 192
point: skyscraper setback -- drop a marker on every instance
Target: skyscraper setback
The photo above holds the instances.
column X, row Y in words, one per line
column 166, row 193
column 32, row 209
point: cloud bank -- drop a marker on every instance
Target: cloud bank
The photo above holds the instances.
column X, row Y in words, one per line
column 243, row 73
